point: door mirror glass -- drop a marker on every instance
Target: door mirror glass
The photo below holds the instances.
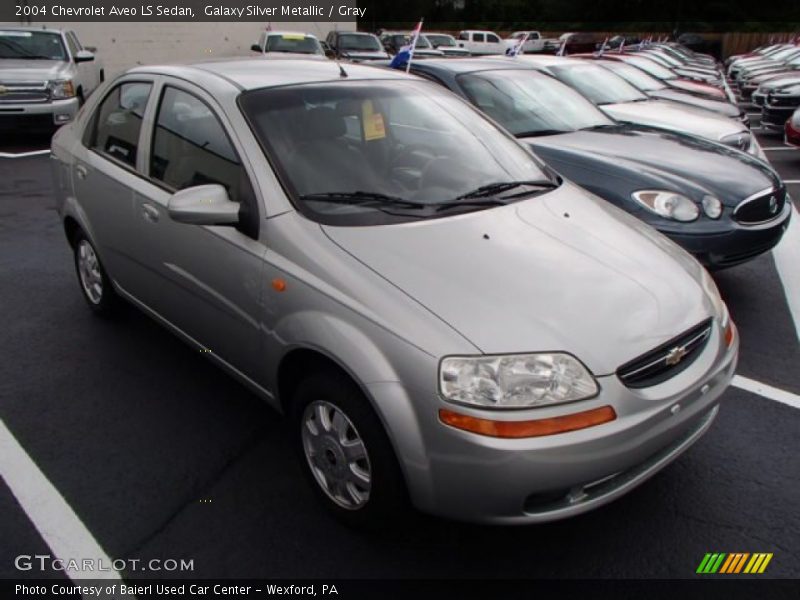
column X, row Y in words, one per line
column 84, row 56
column 203, row 205
column 255, row 48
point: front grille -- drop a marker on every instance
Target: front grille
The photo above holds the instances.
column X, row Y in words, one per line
column 774, row 100
column 758, row 99
column 23, row 91
column 760, row 208
column 667, row 360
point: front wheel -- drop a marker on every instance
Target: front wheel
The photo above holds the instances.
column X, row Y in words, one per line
column 346, row 452
column 93, row 280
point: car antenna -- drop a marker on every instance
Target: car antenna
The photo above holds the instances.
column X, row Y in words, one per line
column 342, row 72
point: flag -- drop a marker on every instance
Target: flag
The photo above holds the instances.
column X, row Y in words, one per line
column 562, row 48
column 602, row 48
column 621, row 46
column 517, row 48
column 405, row 55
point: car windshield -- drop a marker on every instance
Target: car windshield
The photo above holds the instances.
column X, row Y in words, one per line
column 636, row 77
column 528, row 103
column 441, row 40
column 376, row 152
column 649, row 66
column 291, row 42
column 597, row 84
column 32, row 45
column 404, row 39
column 351, row 41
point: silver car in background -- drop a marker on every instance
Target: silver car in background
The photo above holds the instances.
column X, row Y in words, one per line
column 445, row 321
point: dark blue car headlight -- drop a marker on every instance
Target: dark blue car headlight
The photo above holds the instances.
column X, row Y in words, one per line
column 670, row 205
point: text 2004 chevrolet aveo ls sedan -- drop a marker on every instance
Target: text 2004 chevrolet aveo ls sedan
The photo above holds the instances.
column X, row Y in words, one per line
column 444, row 319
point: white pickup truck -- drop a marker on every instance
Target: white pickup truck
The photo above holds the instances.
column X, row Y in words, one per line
column 481, row 42
column 45, row 75
column 534, row 43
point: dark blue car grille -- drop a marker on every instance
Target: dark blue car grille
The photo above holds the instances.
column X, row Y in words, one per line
column 760, row 209
column 667, row 360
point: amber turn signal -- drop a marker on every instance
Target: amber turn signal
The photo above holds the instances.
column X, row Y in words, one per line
column 730, row 333
column 525, row 429
column 278, row 284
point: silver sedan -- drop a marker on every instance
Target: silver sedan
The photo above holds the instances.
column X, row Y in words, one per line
column 447, row 323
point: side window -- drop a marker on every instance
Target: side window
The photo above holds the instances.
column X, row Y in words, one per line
column 463, row 36
column 117, row 121
column 477, row 37
column 490, row 37
column 71, row 44
column 190, row 146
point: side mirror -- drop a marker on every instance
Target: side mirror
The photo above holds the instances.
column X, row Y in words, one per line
column 203, row 205
column 256, row 48
column 83, row 56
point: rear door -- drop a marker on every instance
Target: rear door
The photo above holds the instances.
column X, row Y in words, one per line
column 104, row 174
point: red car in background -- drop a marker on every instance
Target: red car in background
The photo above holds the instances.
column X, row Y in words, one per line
column 792, row 129
column 667, row 75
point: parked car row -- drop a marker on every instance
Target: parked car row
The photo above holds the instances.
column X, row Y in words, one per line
column 448, row 319
column 770, row 78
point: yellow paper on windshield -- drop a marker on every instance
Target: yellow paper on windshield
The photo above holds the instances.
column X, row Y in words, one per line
column 374, row 128
column 293, row 36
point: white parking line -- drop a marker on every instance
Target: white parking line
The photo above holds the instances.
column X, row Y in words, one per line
column 62, row 530
column 778, row 148
column 791, row 181
column 767, row 391
column 23, row 154
column 758, row 114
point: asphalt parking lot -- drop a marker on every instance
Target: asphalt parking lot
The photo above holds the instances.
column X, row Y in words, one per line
column 161, row 455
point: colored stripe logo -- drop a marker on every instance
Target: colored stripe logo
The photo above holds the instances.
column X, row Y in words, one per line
column 734, row 563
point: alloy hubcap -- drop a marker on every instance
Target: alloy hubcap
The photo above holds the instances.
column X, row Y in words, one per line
column 336, row 455
column 89, row 270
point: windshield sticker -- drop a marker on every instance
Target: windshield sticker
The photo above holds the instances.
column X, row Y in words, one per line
column 374, row 128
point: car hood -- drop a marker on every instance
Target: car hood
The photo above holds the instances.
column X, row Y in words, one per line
column 779, row 82
column 696, row 87
column 669, row 115
column 561, row 271
column 17, row 69
column 724, row 108
column 656, row 159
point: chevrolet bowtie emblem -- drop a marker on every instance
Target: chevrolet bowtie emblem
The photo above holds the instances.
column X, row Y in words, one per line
column 675, row 355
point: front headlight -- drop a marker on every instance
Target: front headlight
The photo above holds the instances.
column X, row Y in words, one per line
column 668, row 204
column 712, row 207
column 61, row 89
column 515, row 380
column 741, row 141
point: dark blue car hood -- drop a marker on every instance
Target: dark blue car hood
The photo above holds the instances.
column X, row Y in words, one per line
column 651, row 158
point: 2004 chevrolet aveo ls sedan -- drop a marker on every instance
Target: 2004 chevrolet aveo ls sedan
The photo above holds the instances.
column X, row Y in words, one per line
column 447, row 323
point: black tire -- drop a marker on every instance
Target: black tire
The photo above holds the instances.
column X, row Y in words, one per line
column 387, row 504
column 93, row 283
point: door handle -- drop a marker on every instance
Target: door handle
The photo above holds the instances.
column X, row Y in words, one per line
column 150, row 212
column 81, row 171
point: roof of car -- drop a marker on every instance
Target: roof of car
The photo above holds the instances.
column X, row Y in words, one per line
column 254, row 73
column 469, row 65
column 547, row 60
column 32, row 29
column 311, row 35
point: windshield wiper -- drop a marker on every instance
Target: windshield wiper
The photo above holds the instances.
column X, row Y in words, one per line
column 504, row 186
column 539, row 132
column 360, row 198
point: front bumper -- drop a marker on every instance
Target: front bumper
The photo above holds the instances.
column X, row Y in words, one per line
column 740, row 243
column 54, row 113
column 465, row 476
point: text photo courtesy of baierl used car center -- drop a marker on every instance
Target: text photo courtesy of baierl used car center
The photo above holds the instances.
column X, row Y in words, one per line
column 344, row 299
